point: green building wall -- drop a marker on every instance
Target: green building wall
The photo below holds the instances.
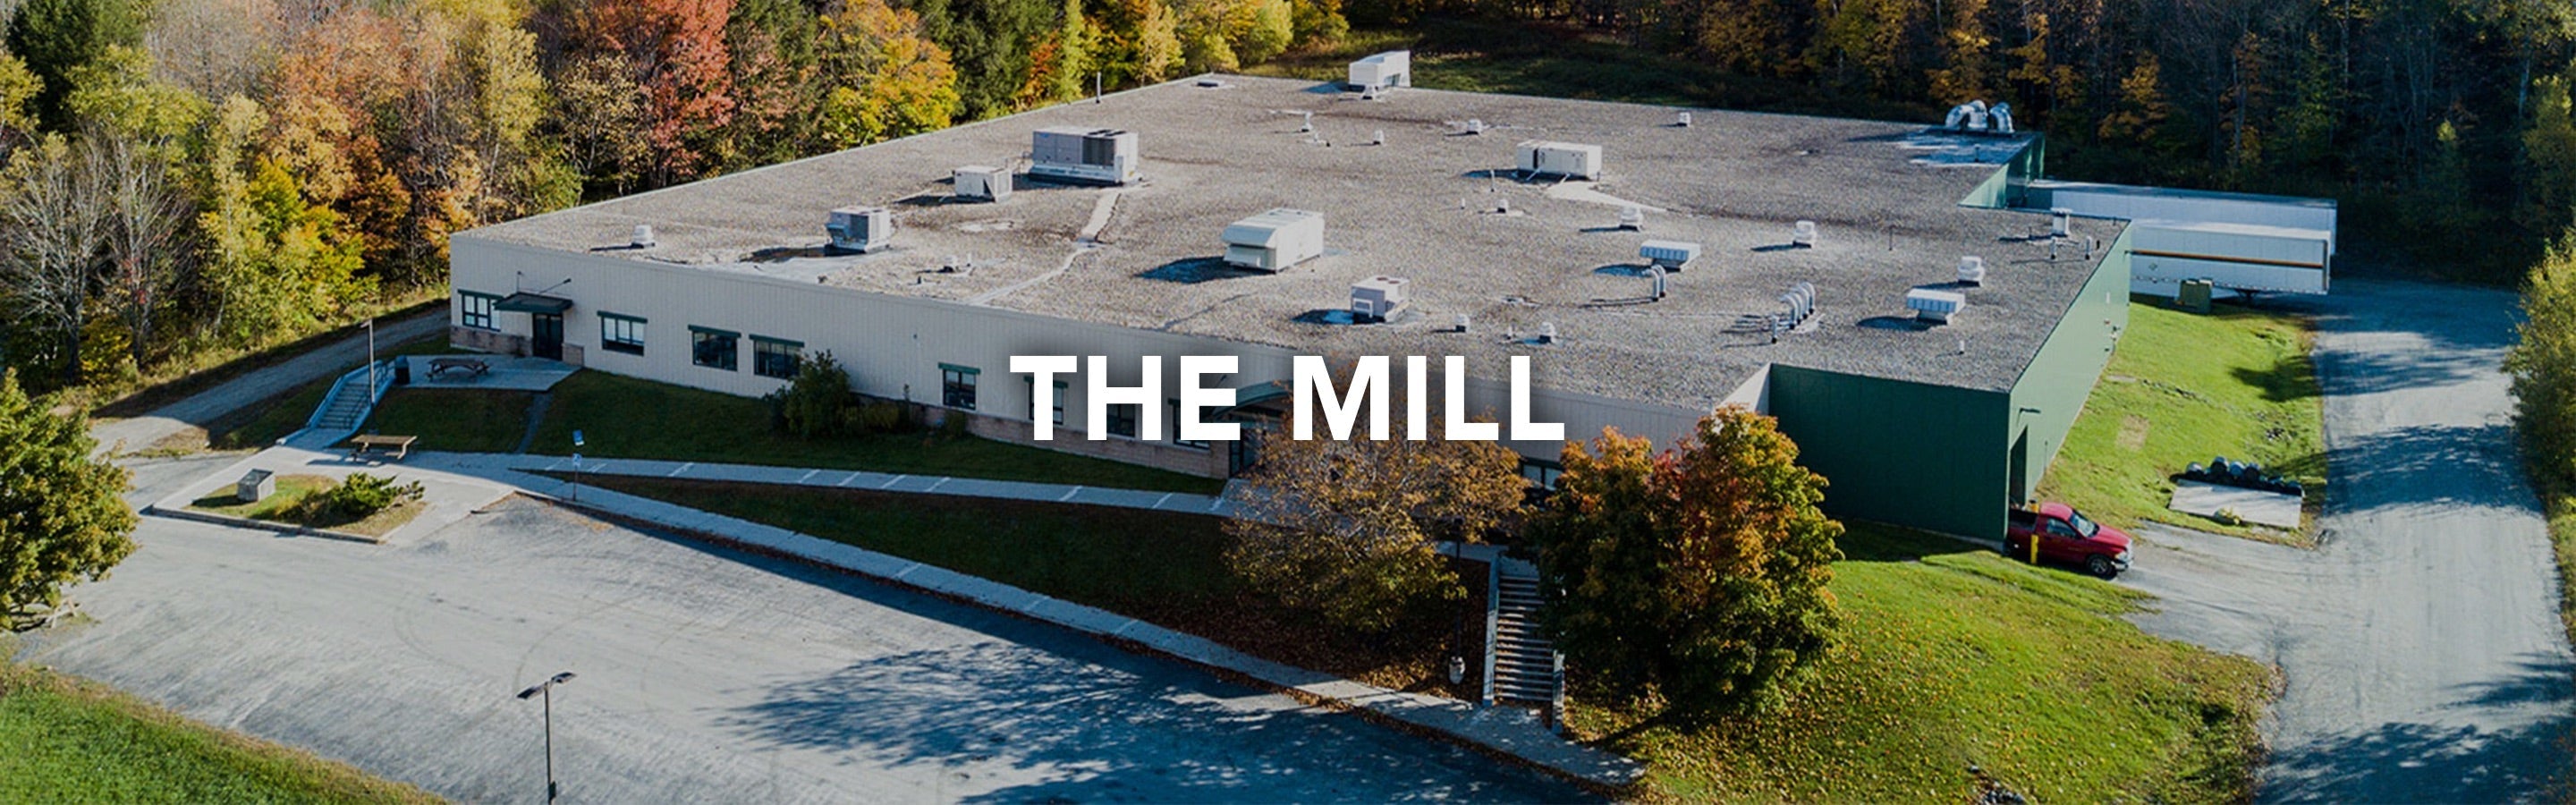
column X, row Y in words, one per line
column 1945, row 458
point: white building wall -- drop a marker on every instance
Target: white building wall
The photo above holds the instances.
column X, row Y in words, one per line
column 894, row 345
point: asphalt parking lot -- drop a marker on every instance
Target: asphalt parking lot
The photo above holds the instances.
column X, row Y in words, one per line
column 703, row 675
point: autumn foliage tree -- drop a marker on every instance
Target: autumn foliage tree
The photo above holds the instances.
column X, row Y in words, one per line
column 1346, row 528
column 1695, row 576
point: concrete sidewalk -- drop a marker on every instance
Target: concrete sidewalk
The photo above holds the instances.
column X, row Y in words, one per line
column 450, row 497
column 483, row 463
column 1508, row 731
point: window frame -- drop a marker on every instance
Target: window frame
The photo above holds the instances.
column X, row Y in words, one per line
column 490, row 315
column 795, row 356
column 1541, row 474
column 609, row 338
column 1134, row 412
column 957, row 383
column 732, row 355
column 1176, row 428
column 1031, row 384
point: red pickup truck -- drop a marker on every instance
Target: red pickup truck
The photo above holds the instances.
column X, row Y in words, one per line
column 2066, row 537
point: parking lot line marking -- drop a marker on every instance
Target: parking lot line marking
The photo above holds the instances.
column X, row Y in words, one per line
column 1166, row 498
column 684, row 467
column 892, row 481
column 1068, row 494
column 942, row 482
column 809, row 475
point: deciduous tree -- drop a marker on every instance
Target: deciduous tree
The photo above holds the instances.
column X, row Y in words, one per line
column 65, row 520
column 2543, row 365
column 1697, row 575
column 52, row 207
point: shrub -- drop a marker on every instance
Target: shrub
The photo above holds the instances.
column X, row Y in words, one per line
column 879, row 417
column 360, row 497
column 817, row 403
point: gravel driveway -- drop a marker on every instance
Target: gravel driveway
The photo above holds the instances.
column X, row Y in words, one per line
column 2420, row 644
column 704, row 676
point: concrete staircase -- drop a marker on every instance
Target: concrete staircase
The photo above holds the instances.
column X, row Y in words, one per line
column 1521, row 666
column 346, row 406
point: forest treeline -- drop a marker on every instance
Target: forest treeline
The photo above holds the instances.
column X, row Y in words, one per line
column 196, row 177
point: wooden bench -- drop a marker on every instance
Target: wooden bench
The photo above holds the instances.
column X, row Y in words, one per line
column 361, row 443
column 470, row 366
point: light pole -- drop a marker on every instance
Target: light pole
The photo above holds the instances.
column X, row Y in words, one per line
column 371, row 359
column 546, row 689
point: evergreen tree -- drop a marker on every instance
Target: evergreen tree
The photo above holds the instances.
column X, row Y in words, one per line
column 66, row 521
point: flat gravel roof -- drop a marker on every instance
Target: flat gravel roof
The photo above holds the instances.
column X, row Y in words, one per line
column 1425, row 205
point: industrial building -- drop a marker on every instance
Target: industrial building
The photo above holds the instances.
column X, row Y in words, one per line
column 1887, row 290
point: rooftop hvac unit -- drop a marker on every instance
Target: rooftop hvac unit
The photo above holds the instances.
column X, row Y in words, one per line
column 1935, row 306
column 1670, row 255
column 1378, row 298
column 1274, row 240
column 643, row 238
column 1972, row 270
column 861, row 229
column 1803, row 233
column 1077, row 154
column 982, row 183
column 1571, row 160
column 1393, row 68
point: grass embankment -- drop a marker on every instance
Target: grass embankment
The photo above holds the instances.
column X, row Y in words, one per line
column 1951, row 657
column 623, row 417
column 262, row 423
column 2183, row 387
column 287, row 505
column 194, row 370
column 73, row 741
column 459, row 420
column 1160, row 567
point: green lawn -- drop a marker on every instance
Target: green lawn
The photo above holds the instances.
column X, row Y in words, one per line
column 2184, row 387
column 623, row 417
column 1954, row 656
column 71, row 741
column 281, row 507
column 460, row 420
column 263, row 423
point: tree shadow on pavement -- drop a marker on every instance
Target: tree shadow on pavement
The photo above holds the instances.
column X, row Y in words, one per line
column 2423, row 763
column 2448, row 465
column 1044, row 726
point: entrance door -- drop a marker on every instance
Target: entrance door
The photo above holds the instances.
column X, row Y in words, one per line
column 2021, row 487
column 546, row 336
column 1242, row 453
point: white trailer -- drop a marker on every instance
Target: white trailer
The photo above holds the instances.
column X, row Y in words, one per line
column 2244, row 258
column 1087, row 155
column 1572, row 160
column 1393, row 68
column 1275, row 240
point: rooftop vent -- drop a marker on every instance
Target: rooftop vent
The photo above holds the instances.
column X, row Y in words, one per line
column 1803, row 234
column 1380, row 71
column 2061, row 222
column 1799, row 302
column 1275, row 240
column 1306, row 122
column 1378, row 298
column 982, row 183
column 1935, row 306
column 1976, row 116
column 1464, row 322
column 1656, row 273
column 1972, row 270
column 1546, row 333
column 1632, row 218
column 643, row 238
column 1473, row 126
column 1377, row 137
column 861, row 229
column 1669, row 255
column 1077, row 154
column 1570, row 160
column 1682, row 120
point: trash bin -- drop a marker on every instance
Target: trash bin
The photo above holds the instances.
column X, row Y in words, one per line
column 402, row 371
column 2195, row 295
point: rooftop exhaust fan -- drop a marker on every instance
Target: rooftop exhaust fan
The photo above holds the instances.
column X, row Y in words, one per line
column 2061, row 222
column 1631, row 218
column 1474, row 126
column 1464, row 322
column 1972, row 270
column 643, row 238
column 1377, row 137
column 1935, row 306
column 1547, row 332
column 1803, row 234
column 1683, row 120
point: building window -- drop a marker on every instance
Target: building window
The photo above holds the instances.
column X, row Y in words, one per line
column 772, row 357
column 1059, row 397
column 1122, row 420
column 475, row 309
column 1176, row 429
column 621, row 333
column 1541, row 474
column 957, row 386
column 715, row 349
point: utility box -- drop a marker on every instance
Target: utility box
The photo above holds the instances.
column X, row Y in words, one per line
column 1935, row 306
column 1393, row 68
column 255, row 486
column 982, row 183
column 1275, row 240
column 1087, row 155
column 861, row 229
column 1378, row 298
column 1571, row 160
column 1670, row 255
column 2194, row 295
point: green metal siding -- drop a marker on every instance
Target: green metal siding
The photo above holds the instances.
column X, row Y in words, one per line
column 2052, row 390
column 1913, row 454
column 2010, row 184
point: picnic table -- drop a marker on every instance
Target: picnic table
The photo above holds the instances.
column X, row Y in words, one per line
column 470, row 366
column 400, row 445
